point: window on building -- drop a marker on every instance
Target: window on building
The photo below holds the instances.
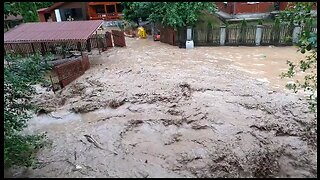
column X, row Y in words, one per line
column 100, row 9
column 252, row 2
column 66, row 14
column 111, row 8
column 47, row 16
column 76, row 13
column 119, row 8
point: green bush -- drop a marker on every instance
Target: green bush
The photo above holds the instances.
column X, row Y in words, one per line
column 20, row 150
column 19, row 76
column 244, row 23
column 299, row 14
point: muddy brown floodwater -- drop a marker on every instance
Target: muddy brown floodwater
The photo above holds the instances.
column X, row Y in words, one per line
column 170, row 112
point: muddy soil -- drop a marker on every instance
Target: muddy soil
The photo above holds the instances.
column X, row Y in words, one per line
column 170, row 112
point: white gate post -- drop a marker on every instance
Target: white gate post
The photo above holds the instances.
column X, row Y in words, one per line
column 189, row 33
column 57, row 13
column 258, row 35
column 295, row 34
column 189, row 42
column 222, row 35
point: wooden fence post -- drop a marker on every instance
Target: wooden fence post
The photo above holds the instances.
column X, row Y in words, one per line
column 42, row 49
column 97, row 36
column 209, row 34
column 222, row 35
column 33, row 50
column 296, row 33
column 88, row 45
column 258, row 35
column 79, row 46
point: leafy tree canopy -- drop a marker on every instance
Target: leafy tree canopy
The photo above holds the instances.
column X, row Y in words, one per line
column 28, row 10
column 173, row 14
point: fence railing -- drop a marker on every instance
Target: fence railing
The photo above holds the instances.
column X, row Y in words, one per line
column 206, row 36
column 95, row 41
column 281, row 35
column 169, row 36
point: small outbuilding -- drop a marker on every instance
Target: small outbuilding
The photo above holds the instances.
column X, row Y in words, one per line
column 45, row 37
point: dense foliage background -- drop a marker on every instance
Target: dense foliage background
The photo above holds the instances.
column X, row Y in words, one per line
column 28, row 10
column 172, row 14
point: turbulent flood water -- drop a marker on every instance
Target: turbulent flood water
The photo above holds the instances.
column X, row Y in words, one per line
column 170, row 112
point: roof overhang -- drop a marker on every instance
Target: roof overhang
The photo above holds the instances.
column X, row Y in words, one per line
column 52, row 31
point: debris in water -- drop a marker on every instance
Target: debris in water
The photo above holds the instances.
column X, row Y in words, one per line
column 174, row 112
column 43, row 111
column 78, row 167
column 75, row 155
column 83, row 142
column 56, row 117
column 270, row 92
column 116, row 103
column 186, row 89
column 95, row 142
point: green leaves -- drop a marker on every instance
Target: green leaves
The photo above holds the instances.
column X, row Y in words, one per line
column 19, row 74
column 28, row 10
column 173, row 14
column 135, row 10
column 300, row 14
column 20, row 150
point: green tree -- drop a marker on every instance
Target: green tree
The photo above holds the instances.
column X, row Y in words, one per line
column 133, row 11
column 28, row 10
column 300, row 13
column 172, row 14
column 19, row 76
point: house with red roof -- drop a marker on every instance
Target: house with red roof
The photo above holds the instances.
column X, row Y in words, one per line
column 64, row 11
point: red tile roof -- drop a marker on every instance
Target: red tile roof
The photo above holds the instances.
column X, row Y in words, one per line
column 50, row 8
column 52, row 31
column 42, row 10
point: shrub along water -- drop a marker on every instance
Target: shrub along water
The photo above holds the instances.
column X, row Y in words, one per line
column 19, row 76
column 300, row 13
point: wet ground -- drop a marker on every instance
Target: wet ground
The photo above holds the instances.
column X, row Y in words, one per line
column 170, row 112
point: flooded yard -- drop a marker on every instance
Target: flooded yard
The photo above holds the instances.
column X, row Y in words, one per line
column 171, row 112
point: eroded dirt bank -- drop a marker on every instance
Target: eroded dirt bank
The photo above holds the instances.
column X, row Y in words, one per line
column 169, row 112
